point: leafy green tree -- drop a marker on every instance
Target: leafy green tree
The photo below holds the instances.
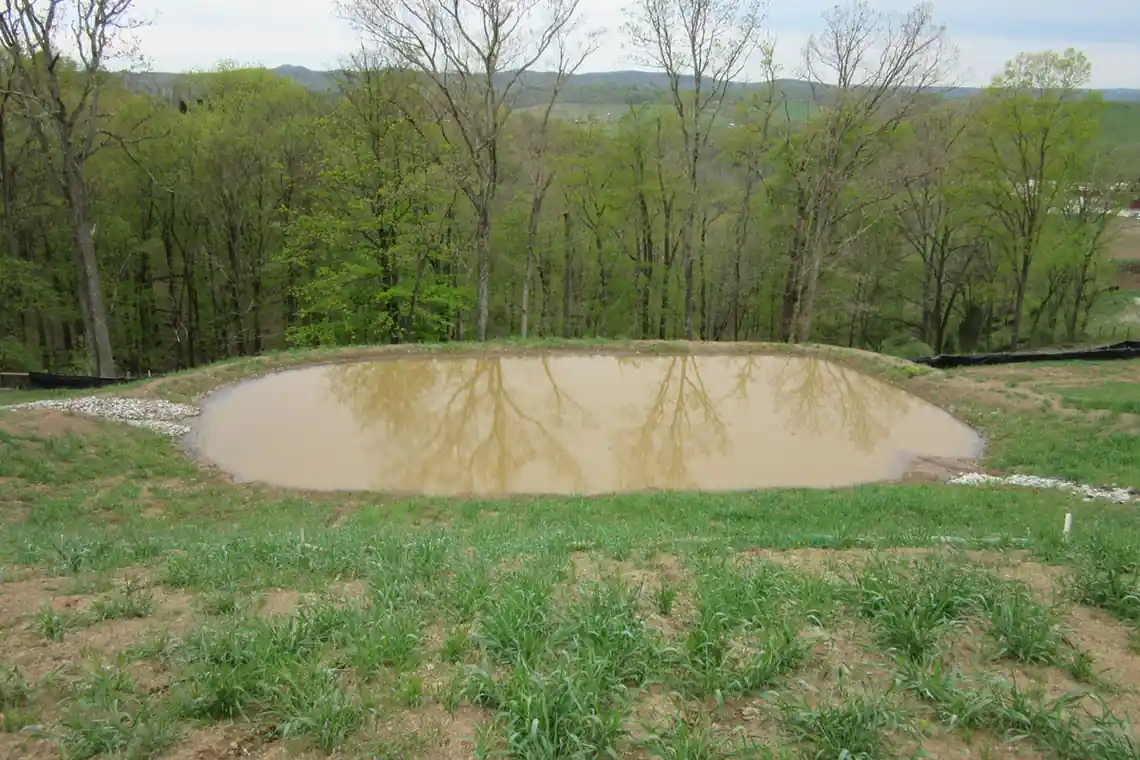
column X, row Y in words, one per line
column 1034, row 136
column 470, row 60
column 61, row 103
column 374, row 249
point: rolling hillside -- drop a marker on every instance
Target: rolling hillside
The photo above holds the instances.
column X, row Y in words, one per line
column 604, row 86
column 600, row 94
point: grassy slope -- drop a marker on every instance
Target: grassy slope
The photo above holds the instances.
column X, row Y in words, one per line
column 1120, row 124
column 1117, row 314
column 248, row 619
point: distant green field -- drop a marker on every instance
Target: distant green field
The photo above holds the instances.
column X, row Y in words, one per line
column 1120, row 125
column 613, row 112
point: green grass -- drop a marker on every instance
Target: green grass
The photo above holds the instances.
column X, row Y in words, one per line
column 1024, row 630
column 17, row 700
column 109, row 715
column 561, row 627
column 1010, row 709
column 853, row 728
column 1118, row 397
column 1072, row 430
column 10, row 397
column 1120, row 125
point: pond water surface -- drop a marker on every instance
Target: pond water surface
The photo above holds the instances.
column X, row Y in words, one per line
column 573, row 424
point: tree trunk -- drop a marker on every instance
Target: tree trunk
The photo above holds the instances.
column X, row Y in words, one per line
column 234, row 289
column 647, row 255
column 483, row 271
column 706, row 318
column 91, row 289
column 544, row 265
column 789, row 297
column 1079, row 297
column 567, row 254
column 687, row 261
column 1019, row 304
column 807, row 303
column 528, row 271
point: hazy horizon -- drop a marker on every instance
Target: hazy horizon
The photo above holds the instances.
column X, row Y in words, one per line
column 188, row 35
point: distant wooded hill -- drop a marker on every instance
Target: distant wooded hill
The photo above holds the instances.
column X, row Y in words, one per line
column 599, row 87
column 608, row 93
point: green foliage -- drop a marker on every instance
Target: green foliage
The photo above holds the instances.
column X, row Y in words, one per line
column 374, row 242
column 1024, row 630
column 565, row 708
column 915, row 608
column 109, row 716
column 1106, row 573
column 854, row 728
column 269, row 214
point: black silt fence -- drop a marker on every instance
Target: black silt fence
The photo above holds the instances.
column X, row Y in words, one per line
column 1129, row 349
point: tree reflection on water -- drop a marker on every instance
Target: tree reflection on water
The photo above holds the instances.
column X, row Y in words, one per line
column 821, row 396
column 495, row 425
column 459, row 425
column 679, row 422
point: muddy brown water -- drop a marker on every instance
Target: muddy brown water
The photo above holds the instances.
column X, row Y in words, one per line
column 573, row 424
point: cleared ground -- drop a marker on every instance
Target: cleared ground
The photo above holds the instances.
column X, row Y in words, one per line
column 1125, row 245
column 149, row 607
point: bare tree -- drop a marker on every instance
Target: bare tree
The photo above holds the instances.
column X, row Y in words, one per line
column 470, row 56
column 541, row 174
column 936, row 211
column 60, row 99
column 870, row 71
column 702, row 46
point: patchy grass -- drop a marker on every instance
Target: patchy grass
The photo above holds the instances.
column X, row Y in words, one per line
column 1116, row 397
column 877, row 621
column 1065, row 419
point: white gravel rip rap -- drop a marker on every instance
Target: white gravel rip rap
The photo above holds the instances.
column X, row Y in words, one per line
column 1090, row 493
column 162, row 417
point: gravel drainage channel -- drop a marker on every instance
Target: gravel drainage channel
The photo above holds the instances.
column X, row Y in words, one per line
column 162, row 417
column 1114, row 494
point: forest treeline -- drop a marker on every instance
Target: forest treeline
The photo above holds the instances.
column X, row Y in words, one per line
column 437, row 201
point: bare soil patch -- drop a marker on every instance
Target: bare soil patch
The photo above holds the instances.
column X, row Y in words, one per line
column 435, row 733
column 48, row 423
column 279, row 602
column 1124, row 245
column 937, row 469
column 1128, row 274
column 20, row 597
column 218, row 743
column 939, row 744
column 17, row 745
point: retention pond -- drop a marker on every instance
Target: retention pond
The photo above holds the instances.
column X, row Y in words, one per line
column 573, row 424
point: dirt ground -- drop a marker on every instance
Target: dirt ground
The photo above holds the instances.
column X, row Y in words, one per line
column 845, row 651
column 1128, row 276
column 1125, row 242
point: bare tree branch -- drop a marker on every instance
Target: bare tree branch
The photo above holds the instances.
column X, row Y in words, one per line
column 468, row 57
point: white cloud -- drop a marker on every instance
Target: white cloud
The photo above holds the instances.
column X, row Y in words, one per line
column 198, row 34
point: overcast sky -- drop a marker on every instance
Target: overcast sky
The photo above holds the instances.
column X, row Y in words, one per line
column 197, row 34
